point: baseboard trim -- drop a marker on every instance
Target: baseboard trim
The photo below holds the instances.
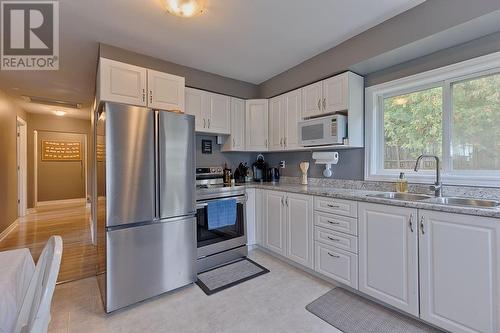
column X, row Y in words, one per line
column 61, row 202
column 9, row 229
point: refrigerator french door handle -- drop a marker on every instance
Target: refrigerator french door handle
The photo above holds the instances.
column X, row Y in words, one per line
column 157, row 164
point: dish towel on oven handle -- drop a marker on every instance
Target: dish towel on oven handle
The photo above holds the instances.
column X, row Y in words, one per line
column 221, row 213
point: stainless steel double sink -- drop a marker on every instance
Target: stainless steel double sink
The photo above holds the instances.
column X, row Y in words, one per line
column 447, row 201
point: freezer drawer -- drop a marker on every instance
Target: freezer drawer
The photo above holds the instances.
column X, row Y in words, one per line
column 148, row 260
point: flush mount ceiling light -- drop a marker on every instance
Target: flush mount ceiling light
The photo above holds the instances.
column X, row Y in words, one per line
column 59, row 113
column 185, row 8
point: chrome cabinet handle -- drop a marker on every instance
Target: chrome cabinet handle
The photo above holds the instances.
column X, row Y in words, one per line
column 286, row 201
column 333, row 255
column 410, row 222
column 333, row 206
column 143, row 95
column 319, row 104
column 282, row 201
column 208, row 122
column 333, row 222
column 204, row 123
column 324, row 103
column 281, row 142
column 234, row 144
column 266, row 143
column 284, row 141
column 422, row 225
column 151, row 96
column 333, row 239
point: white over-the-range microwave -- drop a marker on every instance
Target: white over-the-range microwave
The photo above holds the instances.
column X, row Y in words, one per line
column 328, row 130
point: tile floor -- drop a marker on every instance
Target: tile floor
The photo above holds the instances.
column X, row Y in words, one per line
column 274, row 302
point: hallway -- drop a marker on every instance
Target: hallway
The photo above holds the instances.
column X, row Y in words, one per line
column 71, row 222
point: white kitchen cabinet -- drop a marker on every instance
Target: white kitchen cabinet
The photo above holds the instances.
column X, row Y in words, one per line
column 165, row 91
column 276, row 122
column 292, row 108
column 388, row 255
column 218, row 114
column 196, row 106
column 299, row 227
column 459, row 271
column 335, row 95
column 211, row 111
column 124, row 83
column 336, row 264
column 274, row 222
column 312, row 96
column 236, row 140
column 250, row 212
column 256, row 125
column 121, row 83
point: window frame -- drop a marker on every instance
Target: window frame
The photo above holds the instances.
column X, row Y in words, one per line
column 443, row 77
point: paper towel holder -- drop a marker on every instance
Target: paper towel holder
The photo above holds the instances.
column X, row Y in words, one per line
column 326, row 158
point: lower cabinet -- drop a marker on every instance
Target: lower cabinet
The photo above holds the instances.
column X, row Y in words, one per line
column 459, row 271
column 287, row 224
column 336, row 264
column 388, row 255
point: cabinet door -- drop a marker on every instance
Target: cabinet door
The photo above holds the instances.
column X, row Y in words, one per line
column 337, row 264
column 274, row 222
column 236, row 141
column 121, row 83
column 219, row 118
column 299, row 215
column 335, row 93
column 256, row 124
column 166, row 91
column 459, row 271
column 311, row 99
column 250, row 212
column 388, row 249
column 196, row 105
column 292, row 103
column 276, row 121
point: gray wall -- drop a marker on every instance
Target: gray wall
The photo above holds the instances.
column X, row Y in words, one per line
column 217, row 158
column 194, row 78
column 350, row 165
column 427, row 19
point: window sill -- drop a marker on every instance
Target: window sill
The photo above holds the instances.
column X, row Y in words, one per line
column 455, row 180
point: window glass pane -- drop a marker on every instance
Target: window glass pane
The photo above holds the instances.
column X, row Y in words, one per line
column 476, row 124
column 412, row 126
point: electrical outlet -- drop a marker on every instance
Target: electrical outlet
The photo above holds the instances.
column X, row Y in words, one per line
column 282, row 164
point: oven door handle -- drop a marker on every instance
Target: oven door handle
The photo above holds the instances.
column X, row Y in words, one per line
column 205, row 203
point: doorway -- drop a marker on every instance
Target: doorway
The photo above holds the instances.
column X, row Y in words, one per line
column 22, row 168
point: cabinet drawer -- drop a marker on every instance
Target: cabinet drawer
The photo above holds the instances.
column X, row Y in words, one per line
column 340, row 223
column 336, row 239
column 336, row 206
column 339, row 265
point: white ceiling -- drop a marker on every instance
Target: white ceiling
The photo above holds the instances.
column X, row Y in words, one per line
column 248, row 40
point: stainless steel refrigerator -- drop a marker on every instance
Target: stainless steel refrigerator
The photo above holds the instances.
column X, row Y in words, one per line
column 146, row 225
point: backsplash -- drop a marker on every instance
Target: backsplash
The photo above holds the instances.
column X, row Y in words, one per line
column 448, row 190
column 218, row 158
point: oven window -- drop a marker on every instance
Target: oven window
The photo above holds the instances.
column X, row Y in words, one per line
column 207, row 237
column 312, row 132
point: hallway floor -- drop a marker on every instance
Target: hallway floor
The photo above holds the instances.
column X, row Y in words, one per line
column 72, row 223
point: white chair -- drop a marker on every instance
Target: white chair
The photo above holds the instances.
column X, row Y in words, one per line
column 34, row 315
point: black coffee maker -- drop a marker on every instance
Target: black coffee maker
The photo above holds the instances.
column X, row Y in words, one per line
column 259, row 169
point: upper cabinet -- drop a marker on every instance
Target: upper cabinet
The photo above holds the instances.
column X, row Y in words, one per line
column 256, row 125
column 165, row 91
column 276, row 122
column 129, row 84
column 211, row 111
column 284, row 116
column 341, row 93
column 236, row 140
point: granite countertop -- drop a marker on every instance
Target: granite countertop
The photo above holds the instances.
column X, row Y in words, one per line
column 361, row 195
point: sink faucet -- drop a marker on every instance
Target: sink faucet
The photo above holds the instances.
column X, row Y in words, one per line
column 438, row 186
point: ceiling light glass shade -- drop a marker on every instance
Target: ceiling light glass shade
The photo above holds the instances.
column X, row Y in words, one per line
column 60, row 113
column 185, row 8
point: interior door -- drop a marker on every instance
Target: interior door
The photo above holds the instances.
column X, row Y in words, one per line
column 388, row 255
column 129, row 164
column 176, row 164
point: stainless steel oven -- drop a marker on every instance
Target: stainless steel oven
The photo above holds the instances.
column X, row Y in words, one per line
column 217, row 246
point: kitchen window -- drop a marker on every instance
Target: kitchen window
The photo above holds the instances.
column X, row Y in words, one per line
column 451, row 112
